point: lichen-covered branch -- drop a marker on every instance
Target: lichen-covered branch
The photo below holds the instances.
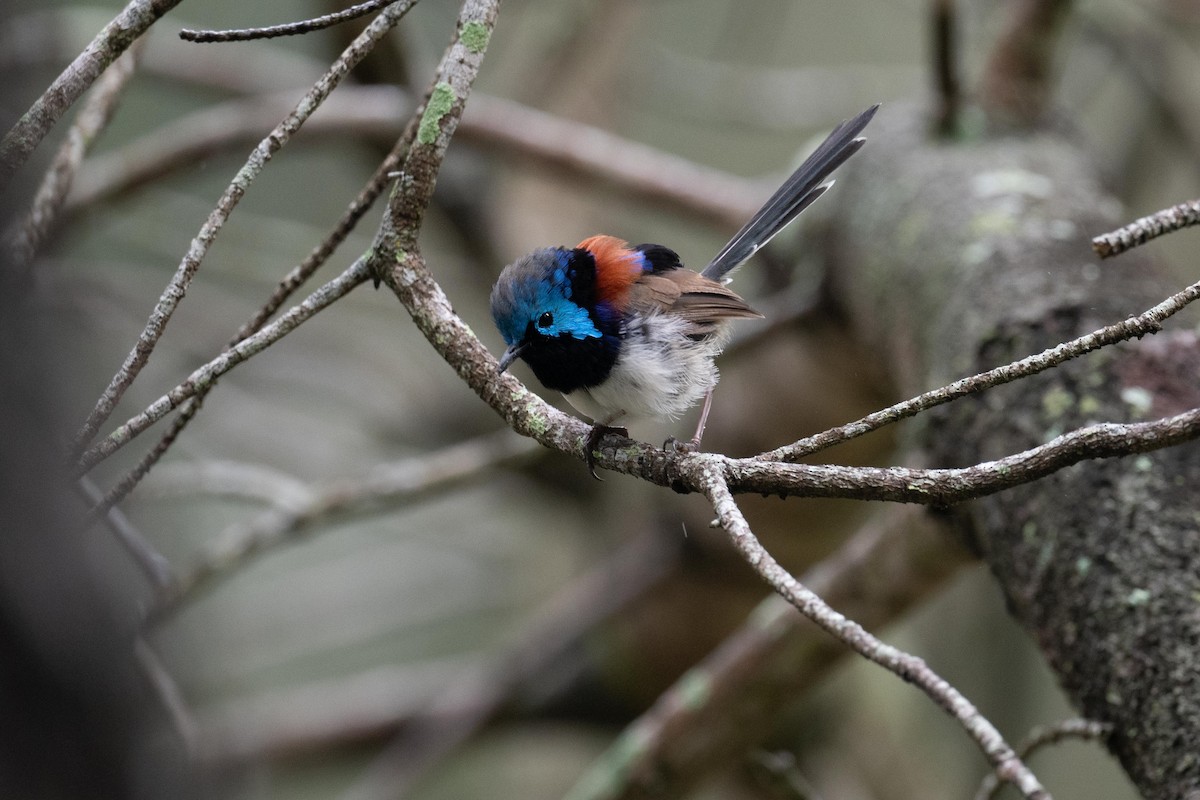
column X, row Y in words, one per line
column 276, row 139
column 106, row 48
column 1144, row 229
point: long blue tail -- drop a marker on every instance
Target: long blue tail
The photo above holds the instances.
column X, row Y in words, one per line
column 796, row 194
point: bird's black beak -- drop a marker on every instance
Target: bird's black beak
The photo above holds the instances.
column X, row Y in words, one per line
column 511, row 355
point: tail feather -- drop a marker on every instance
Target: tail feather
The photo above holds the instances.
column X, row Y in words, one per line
column 797, row 193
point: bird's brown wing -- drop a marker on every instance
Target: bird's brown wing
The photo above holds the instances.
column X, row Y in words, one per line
column 690, row 296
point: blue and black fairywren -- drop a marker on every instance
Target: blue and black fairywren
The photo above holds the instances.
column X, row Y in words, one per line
column 628, row 331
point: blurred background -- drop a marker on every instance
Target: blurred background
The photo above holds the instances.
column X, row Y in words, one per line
column 479, row 607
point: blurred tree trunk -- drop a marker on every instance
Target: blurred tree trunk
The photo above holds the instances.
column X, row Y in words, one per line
column 955, row 257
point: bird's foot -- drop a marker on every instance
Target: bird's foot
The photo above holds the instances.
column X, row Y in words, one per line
column 678, row 446
column 599, row 431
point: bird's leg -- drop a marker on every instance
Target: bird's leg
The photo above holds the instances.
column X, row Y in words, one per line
column 694, row 444
column 599, row 430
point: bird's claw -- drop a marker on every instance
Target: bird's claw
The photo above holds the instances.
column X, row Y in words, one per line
column 599, row 431
column 677, row 446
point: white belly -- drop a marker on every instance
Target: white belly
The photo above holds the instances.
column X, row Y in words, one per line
column 660, row 373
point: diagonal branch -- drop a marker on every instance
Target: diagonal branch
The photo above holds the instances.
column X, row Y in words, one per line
column 910, row 668
column 173, row 294
column 1148, row 322
column 385, row 486
column 296, row 278
column 205, row 375
column 108, row 45
column 726, row 705
column 1144, row 229
column 50, row 196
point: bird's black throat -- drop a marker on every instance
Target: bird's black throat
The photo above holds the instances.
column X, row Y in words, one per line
column 565, row 364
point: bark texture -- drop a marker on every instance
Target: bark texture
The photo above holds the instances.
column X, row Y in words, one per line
column 956, row 257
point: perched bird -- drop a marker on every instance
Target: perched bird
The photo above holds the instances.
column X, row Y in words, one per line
column 627, row 331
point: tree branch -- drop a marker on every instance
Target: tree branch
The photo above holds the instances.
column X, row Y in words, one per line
column 50, row 196
column 1006, row 763
column 1148, row 322
column 201, row 378
column 729, row 703
column 114, row 39
column 1083, row 729
column 385, row 486
column 1144, row 229
column 200, row 245
column 286, row 29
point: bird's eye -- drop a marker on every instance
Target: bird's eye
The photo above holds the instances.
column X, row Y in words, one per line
column 545, row 320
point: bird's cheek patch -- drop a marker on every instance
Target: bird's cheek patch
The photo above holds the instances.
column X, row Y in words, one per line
column 572, row 320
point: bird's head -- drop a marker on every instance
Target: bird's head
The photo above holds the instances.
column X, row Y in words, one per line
column 558, row 309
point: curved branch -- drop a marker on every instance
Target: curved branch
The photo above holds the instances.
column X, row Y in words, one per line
column 287, row 28
column 1082, row 729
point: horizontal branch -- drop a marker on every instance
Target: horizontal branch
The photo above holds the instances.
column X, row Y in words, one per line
column 940, row 487
column 287, row 28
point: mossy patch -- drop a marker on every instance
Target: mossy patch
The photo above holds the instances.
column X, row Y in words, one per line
column 475, row 36
column 440, row 103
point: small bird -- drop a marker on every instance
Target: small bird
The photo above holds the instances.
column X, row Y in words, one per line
column 627, row 331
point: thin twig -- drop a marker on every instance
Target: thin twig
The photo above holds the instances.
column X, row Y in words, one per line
column 153, row 564
column 1006, row 763
column 114, row 39
column 1143, row 230
column 1084, row 729
column 50, row 196
column 196, row 382
column 385, row 486
column 287, row 28
column 1148, row 322
column 345, row 225
column 169, row 694
column 200, row 245
column 129, row 481
column 287, row 286
column 567, row 147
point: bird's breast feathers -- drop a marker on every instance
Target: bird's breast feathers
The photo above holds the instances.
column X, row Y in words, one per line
column 663, row 368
